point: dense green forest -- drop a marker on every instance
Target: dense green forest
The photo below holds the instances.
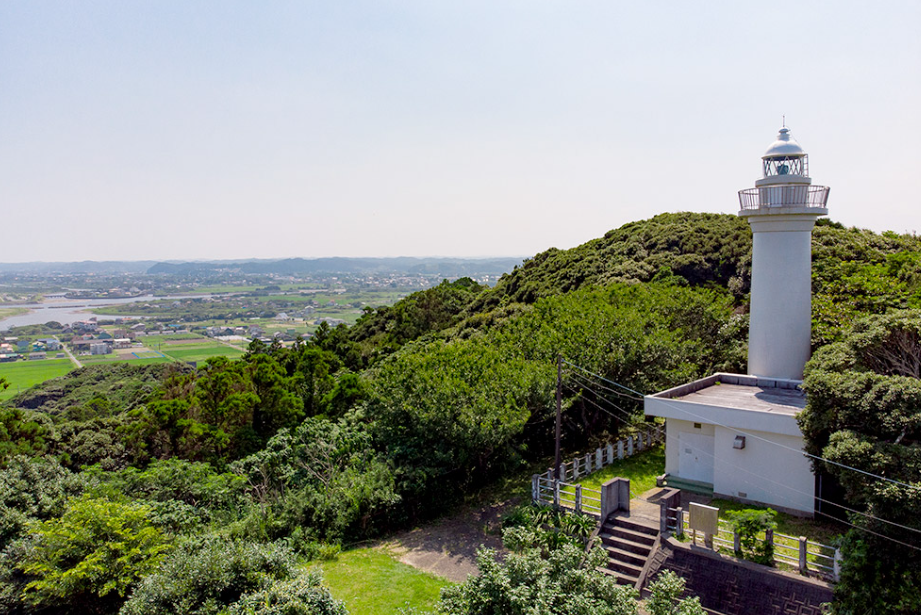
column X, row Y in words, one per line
column 167, row 489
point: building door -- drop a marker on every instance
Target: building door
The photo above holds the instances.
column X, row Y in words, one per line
column 695, row 457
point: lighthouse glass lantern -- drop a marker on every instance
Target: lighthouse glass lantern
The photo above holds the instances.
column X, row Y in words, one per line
column 785, row 181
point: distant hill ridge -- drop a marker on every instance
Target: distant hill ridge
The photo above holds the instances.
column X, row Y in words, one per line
column 448, row 267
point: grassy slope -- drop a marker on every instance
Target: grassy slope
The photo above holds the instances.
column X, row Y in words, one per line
column 371, row 582
column 641, row 469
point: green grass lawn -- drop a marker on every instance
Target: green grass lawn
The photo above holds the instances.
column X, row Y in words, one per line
column 641, row 469
column 24, row 374
column 371, row 582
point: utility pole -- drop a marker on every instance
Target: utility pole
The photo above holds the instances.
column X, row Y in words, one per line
column 559, row 412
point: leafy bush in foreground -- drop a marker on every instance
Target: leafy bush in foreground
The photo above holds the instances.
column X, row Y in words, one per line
column 206, row 576
column 88, row 559
column 302, row 595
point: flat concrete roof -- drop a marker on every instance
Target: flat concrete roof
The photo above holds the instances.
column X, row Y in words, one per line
column 750, row 393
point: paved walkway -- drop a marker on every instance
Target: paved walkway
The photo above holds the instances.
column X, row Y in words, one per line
column 448, row 546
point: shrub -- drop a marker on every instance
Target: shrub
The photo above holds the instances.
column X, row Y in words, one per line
column 749, row 524
column 205, row 576
column 665, row 593
column 92, row 555
column 302, row 595
column 33, row 489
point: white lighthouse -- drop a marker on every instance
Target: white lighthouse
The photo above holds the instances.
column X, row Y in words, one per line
column 782, row 209
column 734, row 435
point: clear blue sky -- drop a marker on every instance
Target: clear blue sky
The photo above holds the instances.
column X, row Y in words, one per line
column 167, row 129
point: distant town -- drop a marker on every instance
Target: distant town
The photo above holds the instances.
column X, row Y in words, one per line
column 59, row 316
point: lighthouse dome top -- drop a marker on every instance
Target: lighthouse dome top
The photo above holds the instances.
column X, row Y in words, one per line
column 784, row 147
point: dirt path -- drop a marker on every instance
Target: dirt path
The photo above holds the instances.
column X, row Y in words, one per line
column 448, row 547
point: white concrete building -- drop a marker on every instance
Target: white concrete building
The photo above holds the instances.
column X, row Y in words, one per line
column 737, row 434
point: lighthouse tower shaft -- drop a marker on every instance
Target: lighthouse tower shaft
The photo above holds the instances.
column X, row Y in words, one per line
column 782, row 210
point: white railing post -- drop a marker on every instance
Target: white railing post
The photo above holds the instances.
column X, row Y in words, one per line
column 599, row 459
column 837, row 564
column 610, row 453
column 588, row 464
column 556, row 493
column 620, row 449
column 630, row 446
column 803, row 546
column 679, row 522
column 578, row 498
column 535, row 489
column 639, row 441
column 575, row 469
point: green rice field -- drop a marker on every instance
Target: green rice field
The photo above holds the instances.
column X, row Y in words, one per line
column 199, row 352
column 24, row 374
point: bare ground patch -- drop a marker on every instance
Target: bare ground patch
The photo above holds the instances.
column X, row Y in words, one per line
column 448, row 547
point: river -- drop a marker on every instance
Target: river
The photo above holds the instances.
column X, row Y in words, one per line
column 70, row 311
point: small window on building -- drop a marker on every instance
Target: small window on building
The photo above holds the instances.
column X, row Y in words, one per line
column 696, row 425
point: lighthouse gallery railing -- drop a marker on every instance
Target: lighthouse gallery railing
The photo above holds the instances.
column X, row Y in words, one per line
column 784, row 196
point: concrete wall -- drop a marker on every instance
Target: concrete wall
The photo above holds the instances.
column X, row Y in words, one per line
column 748, row 420
column 673, row 430
column 764, row 472
column 734, row 587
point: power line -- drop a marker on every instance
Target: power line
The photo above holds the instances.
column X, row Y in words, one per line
column 869, row 531
column 617, row 384
column 610, row 390
column 588, row 386
column 626, row 422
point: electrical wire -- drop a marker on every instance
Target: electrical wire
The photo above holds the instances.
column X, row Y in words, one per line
column 583, row 384
column 617, row 384
column 582, row 379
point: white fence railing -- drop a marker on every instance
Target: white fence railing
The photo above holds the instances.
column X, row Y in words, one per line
column 577, row 498
column 808, row 556
column 583, row 465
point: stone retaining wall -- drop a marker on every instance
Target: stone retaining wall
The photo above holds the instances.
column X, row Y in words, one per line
column 729, row 586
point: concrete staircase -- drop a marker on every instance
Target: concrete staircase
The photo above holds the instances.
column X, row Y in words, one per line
column 629, row 545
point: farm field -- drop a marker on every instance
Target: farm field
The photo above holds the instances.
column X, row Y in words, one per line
column 184, row 347
column 24, row 374
column 137, row 356
column 199, row 352
column 371, row 582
